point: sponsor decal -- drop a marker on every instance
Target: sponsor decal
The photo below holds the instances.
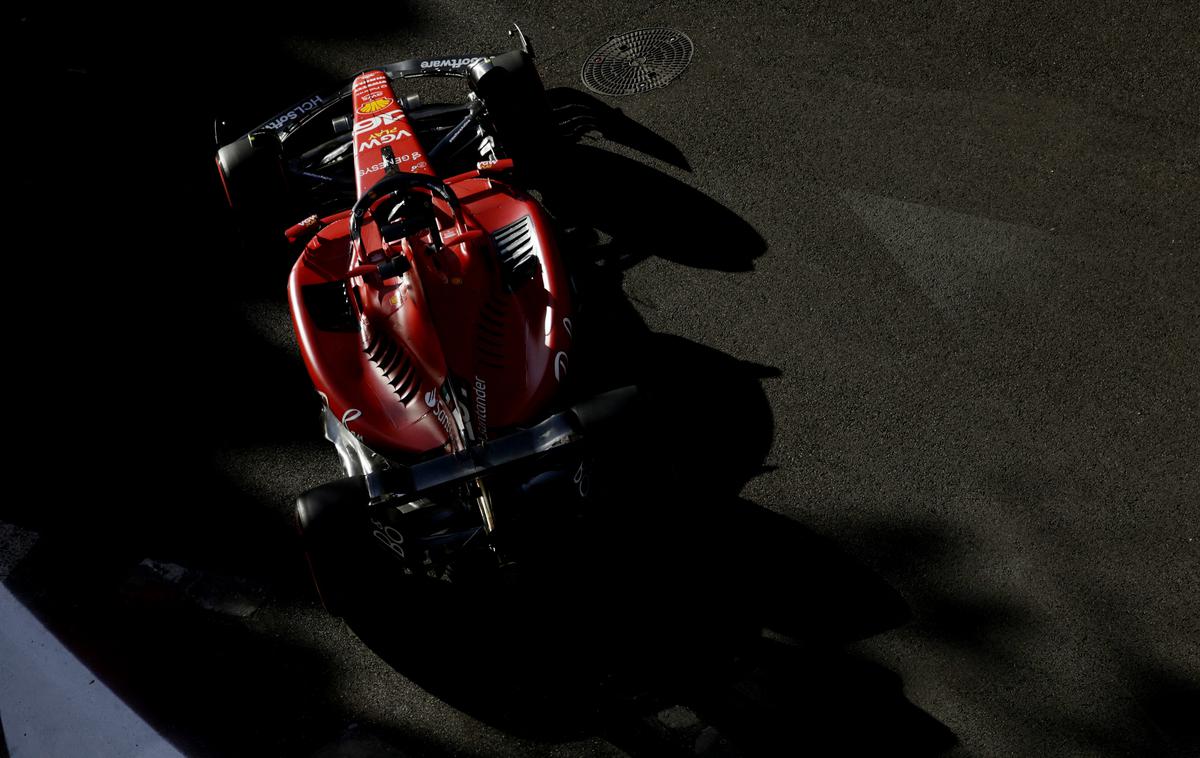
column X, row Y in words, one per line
column 383, row 137
column 567, row 325
column 370, row 86
column 481, row 407
column 397, row 160
column 374, row 106
column 389, row 536
column 449, row 62
column 560, row 365
column 582, row 480
column 298, row 110
column 375, row 122
column 439, row 412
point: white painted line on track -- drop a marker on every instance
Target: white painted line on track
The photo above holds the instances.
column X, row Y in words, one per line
column 51, row 705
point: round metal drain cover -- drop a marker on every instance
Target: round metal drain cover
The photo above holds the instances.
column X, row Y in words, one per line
column 637, row 61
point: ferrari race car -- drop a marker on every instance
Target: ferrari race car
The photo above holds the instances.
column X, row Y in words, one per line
column 434, row 312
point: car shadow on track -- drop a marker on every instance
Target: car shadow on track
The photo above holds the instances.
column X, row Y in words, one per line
column 673, row 617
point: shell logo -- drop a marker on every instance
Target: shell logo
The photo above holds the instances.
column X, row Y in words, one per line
column 376, row 105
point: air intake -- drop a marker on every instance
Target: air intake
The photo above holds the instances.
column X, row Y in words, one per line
column 517, row 249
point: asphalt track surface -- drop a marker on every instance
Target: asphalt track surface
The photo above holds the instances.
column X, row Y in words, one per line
column 921, row 286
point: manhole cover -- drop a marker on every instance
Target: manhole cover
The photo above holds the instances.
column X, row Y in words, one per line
column 637, row 61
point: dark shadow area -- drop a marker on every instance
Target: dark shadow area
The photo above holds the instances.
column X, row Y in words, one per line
column 635, row 615
column 648, row 213
column 1171, row 702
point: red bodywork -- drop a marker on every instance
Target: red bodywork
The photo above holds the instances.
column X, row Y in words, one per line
column 383, row 359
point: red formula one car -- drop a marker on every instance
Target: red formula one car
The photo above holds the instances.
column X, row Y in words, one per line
column 434, row 312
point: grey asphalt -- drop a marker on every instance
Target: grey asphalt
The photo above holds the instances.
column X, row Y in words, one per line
column 924, row 293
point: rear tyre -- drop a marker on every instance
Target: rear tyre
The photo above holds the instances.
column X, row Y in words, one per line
column 517, row 108
column 337, row 543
